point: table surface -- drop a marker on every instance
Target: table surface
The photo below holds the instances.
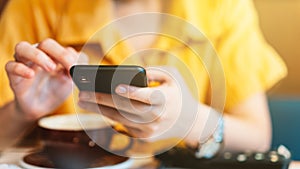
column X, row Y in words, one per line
column 14, row 156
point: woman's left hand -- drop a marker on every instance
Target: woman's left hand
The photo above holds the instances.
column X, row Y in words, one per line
column 150, row 113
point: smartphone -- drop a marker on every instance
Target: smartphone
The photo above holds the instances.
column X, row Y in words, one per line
column 105, row 78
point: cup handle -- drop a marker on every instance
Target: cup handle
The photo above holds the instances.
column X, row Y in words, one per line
column 128, row 146
column 125, row 149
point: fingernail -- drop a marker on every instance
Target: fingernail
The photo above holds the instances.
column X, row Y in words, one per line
column 121, row 90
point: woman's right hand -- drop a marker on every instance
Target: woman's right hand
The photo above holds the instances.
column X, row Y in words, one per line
column 39, row 77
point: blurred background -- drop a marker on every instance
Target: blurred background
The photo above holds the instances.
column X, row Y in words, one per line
column 280, row 23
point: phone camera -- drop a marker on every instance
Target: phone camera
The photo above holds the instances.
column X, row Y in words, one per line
column 84, row 79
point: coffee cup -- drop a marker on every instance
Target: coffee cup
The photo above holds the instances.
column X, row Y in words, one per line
column 75, row 140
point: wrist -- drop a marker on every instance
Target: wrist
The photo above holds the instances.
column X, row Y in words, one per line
column 24, row 115
column 206, row 136
column 200, row 130
column 213, row 144
column 18, row 115
column 15, row 125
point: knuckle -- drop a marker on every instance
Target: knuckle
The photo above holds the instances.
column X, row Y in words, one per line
column 72, row 52
column 66, row 57
column 44, row 43
column 13, row 68
column 68, row 48
column 49, row 40
column 38, row 55
column 19, row 46
column 8, row 66
column 66, row 53
column 16, row 68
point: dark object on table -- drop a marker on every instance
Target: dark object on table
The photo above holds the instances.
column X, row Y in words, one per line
column 181, row 158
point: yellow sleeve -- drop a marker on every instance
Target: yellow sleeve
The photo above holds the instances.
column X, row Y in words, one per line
column 250, row 64
column 68, row 22
column 22, row 20
column 15, row 25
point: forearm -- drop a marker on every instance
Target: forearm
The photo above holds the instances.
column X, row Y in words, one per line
column 13, row 125
column 242, row 132
column 248, row 125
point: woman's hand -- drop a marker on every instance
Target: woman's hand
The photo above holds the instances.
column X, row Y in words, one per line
column 151, row 113
column 39, row 77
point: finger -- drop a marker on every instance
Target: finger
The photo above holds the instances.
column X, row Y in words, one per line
column 18, row 69
column 116, row 102
column 82, row 58
column 134, row 132
column 158, row 75
column 134, row 129
column 140, row 132
column 143, row 131
column 99, row 98
column 72, row 50
column 111, row 113
column 62, row 55
column 25, row 52
column 146, row 95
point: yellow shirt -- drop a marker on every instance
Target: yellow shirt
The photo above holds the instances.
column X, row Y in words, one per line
column 250, row 64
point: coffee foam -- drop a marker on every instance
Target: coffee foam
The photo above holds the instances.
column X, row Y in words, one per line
column 73, row 122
